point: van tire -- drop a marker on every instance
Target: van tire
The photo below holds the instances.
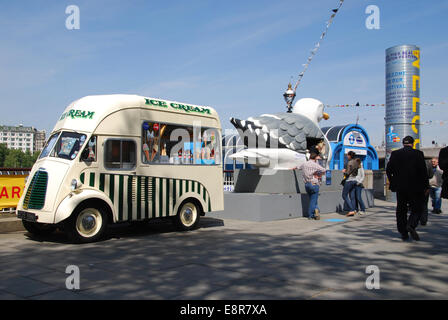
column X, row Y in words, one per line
column 88, row 223
column 38, row 229
column 187, row 217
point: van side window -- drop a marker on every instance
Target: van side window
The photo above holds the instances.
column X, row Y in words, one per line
column 89, row 153
column 210, row 147
column 176, row 144
column 120, row 154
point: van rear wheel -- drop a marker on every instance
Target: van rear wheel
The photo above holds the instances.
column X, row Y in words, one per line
column 38, row 229
column 188, row 216
column 86, row 224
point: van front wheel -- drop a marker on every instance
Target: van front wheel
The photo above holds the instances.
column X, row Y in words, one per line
column 188, row 216
column 86, row 224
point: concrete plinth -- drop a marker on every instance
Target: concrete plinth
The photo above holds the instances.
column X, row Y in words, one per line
column 270, row 207
column 281, row 195
column 281, row 181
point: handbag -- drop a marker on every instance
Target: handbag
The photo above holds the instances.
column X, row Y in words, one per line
column 343, row 180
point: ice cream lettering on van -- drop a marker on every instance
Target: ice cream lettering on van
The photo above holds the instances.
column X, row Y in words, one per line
column 77, row 114
column 178, row 106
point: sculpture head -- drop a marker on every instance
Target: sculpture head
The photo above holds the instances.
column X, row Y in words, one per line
column 311, row 108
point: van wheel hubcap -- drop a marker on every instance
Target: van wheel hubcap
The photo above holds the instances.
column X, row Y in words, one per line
column 188, row 214
column 89, row 222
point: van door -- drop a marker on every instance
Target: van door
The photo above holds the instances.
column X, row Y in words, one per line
column 118, row 177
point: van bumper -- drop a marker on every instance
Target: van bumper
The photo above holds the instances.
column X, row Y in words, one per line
column 36, row 216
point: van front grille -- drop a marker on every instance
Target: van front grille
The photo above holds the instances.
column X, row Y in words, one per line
column 35, row 195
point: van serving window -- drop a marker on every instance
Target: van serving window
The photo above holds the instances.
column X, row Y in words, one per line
column 177, row 144
column 120, row 154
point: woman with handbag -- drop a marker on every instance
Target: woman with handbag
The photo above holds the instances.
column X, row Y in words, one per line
column 357, row 191
column 350, row 174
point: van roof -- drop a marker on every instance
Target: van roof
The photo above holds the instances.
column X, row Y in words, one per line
column 86, row 113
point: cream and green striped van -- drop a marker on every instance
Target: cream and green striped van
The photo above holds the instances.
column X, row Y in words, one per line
column 119, row 158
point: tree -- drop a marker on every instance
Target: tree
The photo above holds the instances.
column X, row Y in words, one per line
column 3, row 152
column 14, row 159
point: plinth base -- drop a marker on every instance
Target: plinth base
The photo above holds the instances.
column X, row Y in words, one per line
column 270, row 207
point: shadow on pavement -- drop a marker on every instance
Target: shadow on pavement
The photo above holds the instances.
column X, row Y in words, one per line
column 155, row 262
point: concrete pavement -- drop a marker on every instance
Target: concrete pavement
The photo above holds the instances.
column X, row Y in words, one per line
column 230, row 259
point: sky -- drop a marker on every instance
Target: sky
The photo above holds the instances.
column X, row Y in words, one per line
column 235, row 56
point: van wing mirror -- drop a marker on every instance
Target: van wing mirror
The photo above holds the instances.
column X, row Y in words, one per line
column 85, row 155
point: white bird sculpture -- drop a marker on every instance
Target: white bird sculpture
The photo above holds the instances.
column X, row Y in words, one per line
column 298, row 131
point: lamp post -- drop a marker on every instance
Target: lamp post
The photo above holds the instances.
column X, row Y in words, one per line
column 289, row 96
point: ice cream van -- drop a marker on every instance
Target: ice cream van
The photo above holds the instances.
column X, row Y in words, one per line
column 121, row 158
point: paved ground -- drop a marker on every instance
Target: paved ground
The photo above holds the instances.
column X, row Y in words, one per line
column 229, row 259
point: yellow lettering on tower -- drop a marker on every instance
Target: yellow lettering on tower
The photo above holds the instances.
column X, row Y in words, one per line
column 416, row 63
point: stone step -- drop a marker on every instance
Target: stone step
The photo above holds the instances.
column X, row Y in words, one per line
column 10, row 224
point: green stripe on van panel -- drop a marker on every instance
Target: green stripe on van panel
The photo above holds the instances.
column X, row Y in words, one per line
column 92, row 179
column 167, row 206
column 209, row 204
column 130, row 179
column 146, row 197
column 112, row 187
column 139, row 198
column 153, row 212
column 120, row 197
column 180, row 188
column 160, row 197
column 174, row 193
column 82, row 177
column 102, row 176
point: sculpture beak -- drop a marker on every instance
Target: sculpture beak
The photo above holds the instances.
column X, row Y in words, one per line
column 326, row 116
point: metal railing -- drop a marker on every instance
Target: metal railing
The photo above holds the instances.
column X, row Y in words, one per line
column 14, row 171
column 228, row 180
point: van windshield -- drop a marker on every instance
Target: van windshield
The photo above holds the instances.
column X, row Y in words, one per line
column 65, row 145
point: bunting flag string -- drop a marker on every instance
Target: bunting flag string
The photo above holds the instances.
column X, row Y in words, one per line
column 379, row 104
column 434, row 122
column 316, row 47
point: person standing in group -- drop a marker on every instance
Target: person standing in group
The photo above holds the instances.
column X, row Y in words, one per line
column 350, row 173
column 312, row 173
column 357, row 191
column 424, row 216
column 408, row 177
column 443, row 165
column 435, row 184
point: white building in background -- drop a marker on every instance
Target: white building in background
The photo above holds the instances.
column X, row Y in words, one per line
column 23, row 138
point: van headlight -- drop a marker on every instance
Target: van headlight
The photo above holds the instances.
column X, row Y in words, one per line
column 75, row 184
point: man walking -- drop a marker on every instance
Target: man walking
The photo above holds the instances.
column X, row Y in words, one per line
column 408, row 177
column 443, row 164
column 312, row 173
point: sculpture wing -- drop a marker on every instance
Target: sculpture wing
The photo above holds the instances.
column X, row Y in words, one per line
column 281, row 130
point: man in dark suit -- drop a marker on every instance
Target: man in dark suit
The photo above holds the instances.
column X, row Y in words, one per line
column 408, row 177
column 443, row 165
